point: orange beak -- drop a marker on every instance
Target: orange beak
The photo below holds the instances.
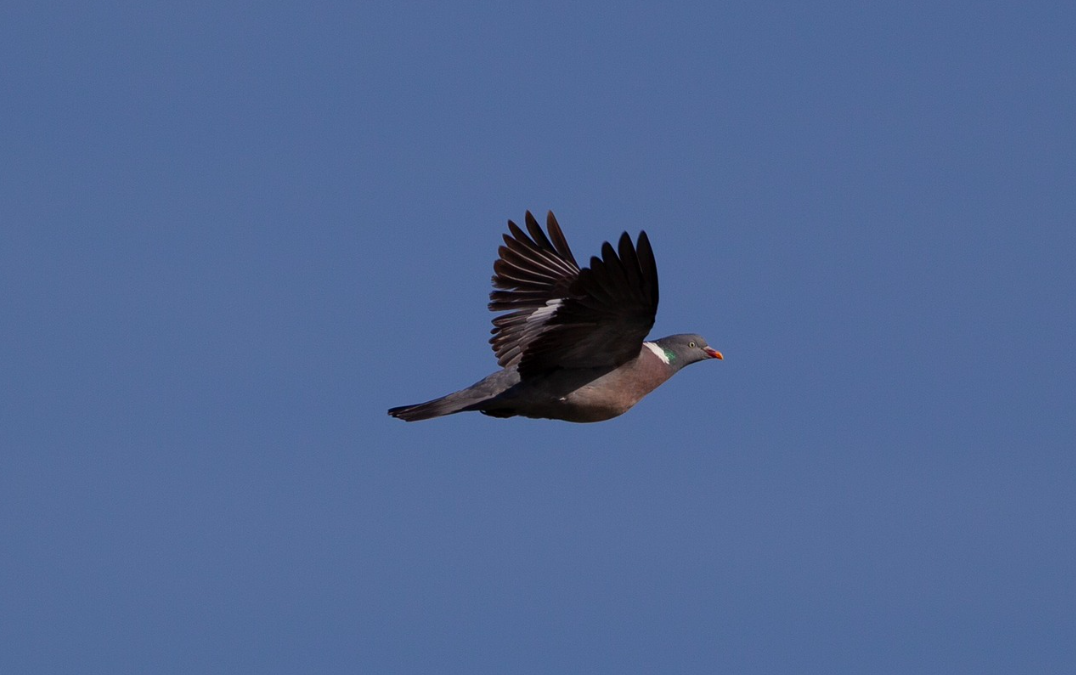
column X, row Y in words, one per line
column 713, row 353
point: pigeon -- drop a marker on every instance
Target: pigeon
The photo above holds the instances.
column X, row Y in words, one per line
column 572, row 345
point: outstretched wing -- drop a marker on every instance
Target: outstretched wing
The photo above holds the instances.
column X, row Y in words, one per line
column 561, row 316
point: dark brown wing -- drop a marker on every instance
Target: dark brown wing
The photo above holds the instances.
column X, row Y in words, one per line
column 565, row 317
column 533, row 276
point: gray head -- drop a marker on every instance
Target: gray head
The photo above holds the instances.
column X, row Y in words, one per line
column 685, row 349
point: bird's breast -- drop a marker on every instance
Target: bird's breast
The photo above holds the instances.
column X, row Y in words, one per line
column 615, row 392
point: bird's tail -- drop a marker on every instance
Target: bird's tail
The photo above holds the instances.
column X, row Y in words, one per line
column 438, row 407
column 475, row 397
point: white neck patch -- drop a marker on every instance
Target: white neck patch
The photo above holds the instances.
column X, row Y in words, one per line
column 658, row 352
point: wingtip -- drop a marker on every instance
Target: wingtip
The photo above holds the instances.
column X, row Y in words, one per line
column 560, row 242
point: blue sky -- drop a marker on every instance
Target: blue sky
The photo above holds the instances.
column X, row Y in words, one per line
column 235, row 234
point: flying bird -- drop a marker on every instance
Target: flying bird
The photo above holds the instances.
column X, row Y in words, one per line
column 573, row 344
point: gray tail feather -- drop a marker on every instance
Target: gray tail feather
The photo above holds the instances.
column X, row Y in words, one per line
column 475, row 397
column 438, row 407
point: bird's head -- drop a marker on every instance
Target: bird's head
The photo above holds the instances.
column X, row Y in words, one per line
column 686, row 348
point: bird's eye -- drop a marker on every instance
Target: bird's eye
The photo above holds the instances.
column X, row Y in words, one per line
column 691, row 344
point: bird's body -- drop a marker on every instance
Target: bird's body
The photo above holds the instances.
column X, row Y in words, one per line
column 575, row 395
column 573, row 347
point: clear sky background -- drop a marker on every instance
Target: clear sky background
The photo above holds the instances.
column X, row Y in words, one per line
column 232, row 235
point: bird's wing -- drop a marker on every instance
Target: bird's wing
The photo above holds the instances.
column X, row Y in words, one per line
column 561, row 316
